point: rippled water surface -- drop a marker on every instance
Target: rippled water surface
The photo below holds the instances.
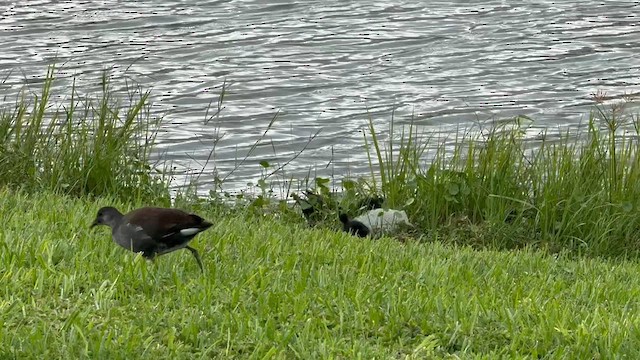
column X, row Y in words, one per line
column 324, row 64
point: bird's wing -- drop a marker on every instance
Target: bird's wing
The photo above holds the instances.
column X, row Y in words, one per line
column 170, row 227
column 134, row 238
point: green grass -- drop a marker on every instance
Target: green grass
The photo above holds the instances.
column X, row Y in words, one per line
column 276, row 290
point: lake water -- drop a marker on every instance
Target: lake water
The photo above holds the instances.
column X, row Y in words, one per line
column 328, row 65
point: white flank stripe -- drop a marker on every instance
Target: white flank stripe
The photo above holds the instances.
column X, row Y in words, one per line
column 189, row 231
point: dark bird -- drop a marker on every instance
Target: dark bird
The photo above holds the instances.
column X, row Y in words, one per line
column 354, row 227
column 316, row 207
column 153, row 231
column 374, row 221
column 311, row 205
column 371, row 203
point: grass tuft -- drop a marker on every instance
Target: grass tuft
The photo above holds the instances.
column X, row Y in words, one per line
column 85, row 146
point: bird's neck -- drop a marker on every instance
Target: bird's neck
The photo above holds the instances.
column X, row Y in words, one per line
column 116, row 219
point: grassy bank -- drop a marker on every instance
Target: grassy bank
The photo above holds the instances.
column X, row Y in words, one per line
column 276, row 288
column 489, row 186
column 272, row 290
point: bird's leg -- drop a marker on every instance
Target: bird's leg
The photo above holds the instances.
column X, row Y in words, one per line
column 151, row 256
column 197, row 255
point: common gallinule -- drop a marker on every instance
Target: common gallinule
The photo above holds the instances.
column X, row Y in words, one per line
column 153, row 231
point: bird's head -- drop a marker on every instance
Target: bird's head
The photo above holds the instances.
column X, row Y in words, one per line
column 107, row 216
